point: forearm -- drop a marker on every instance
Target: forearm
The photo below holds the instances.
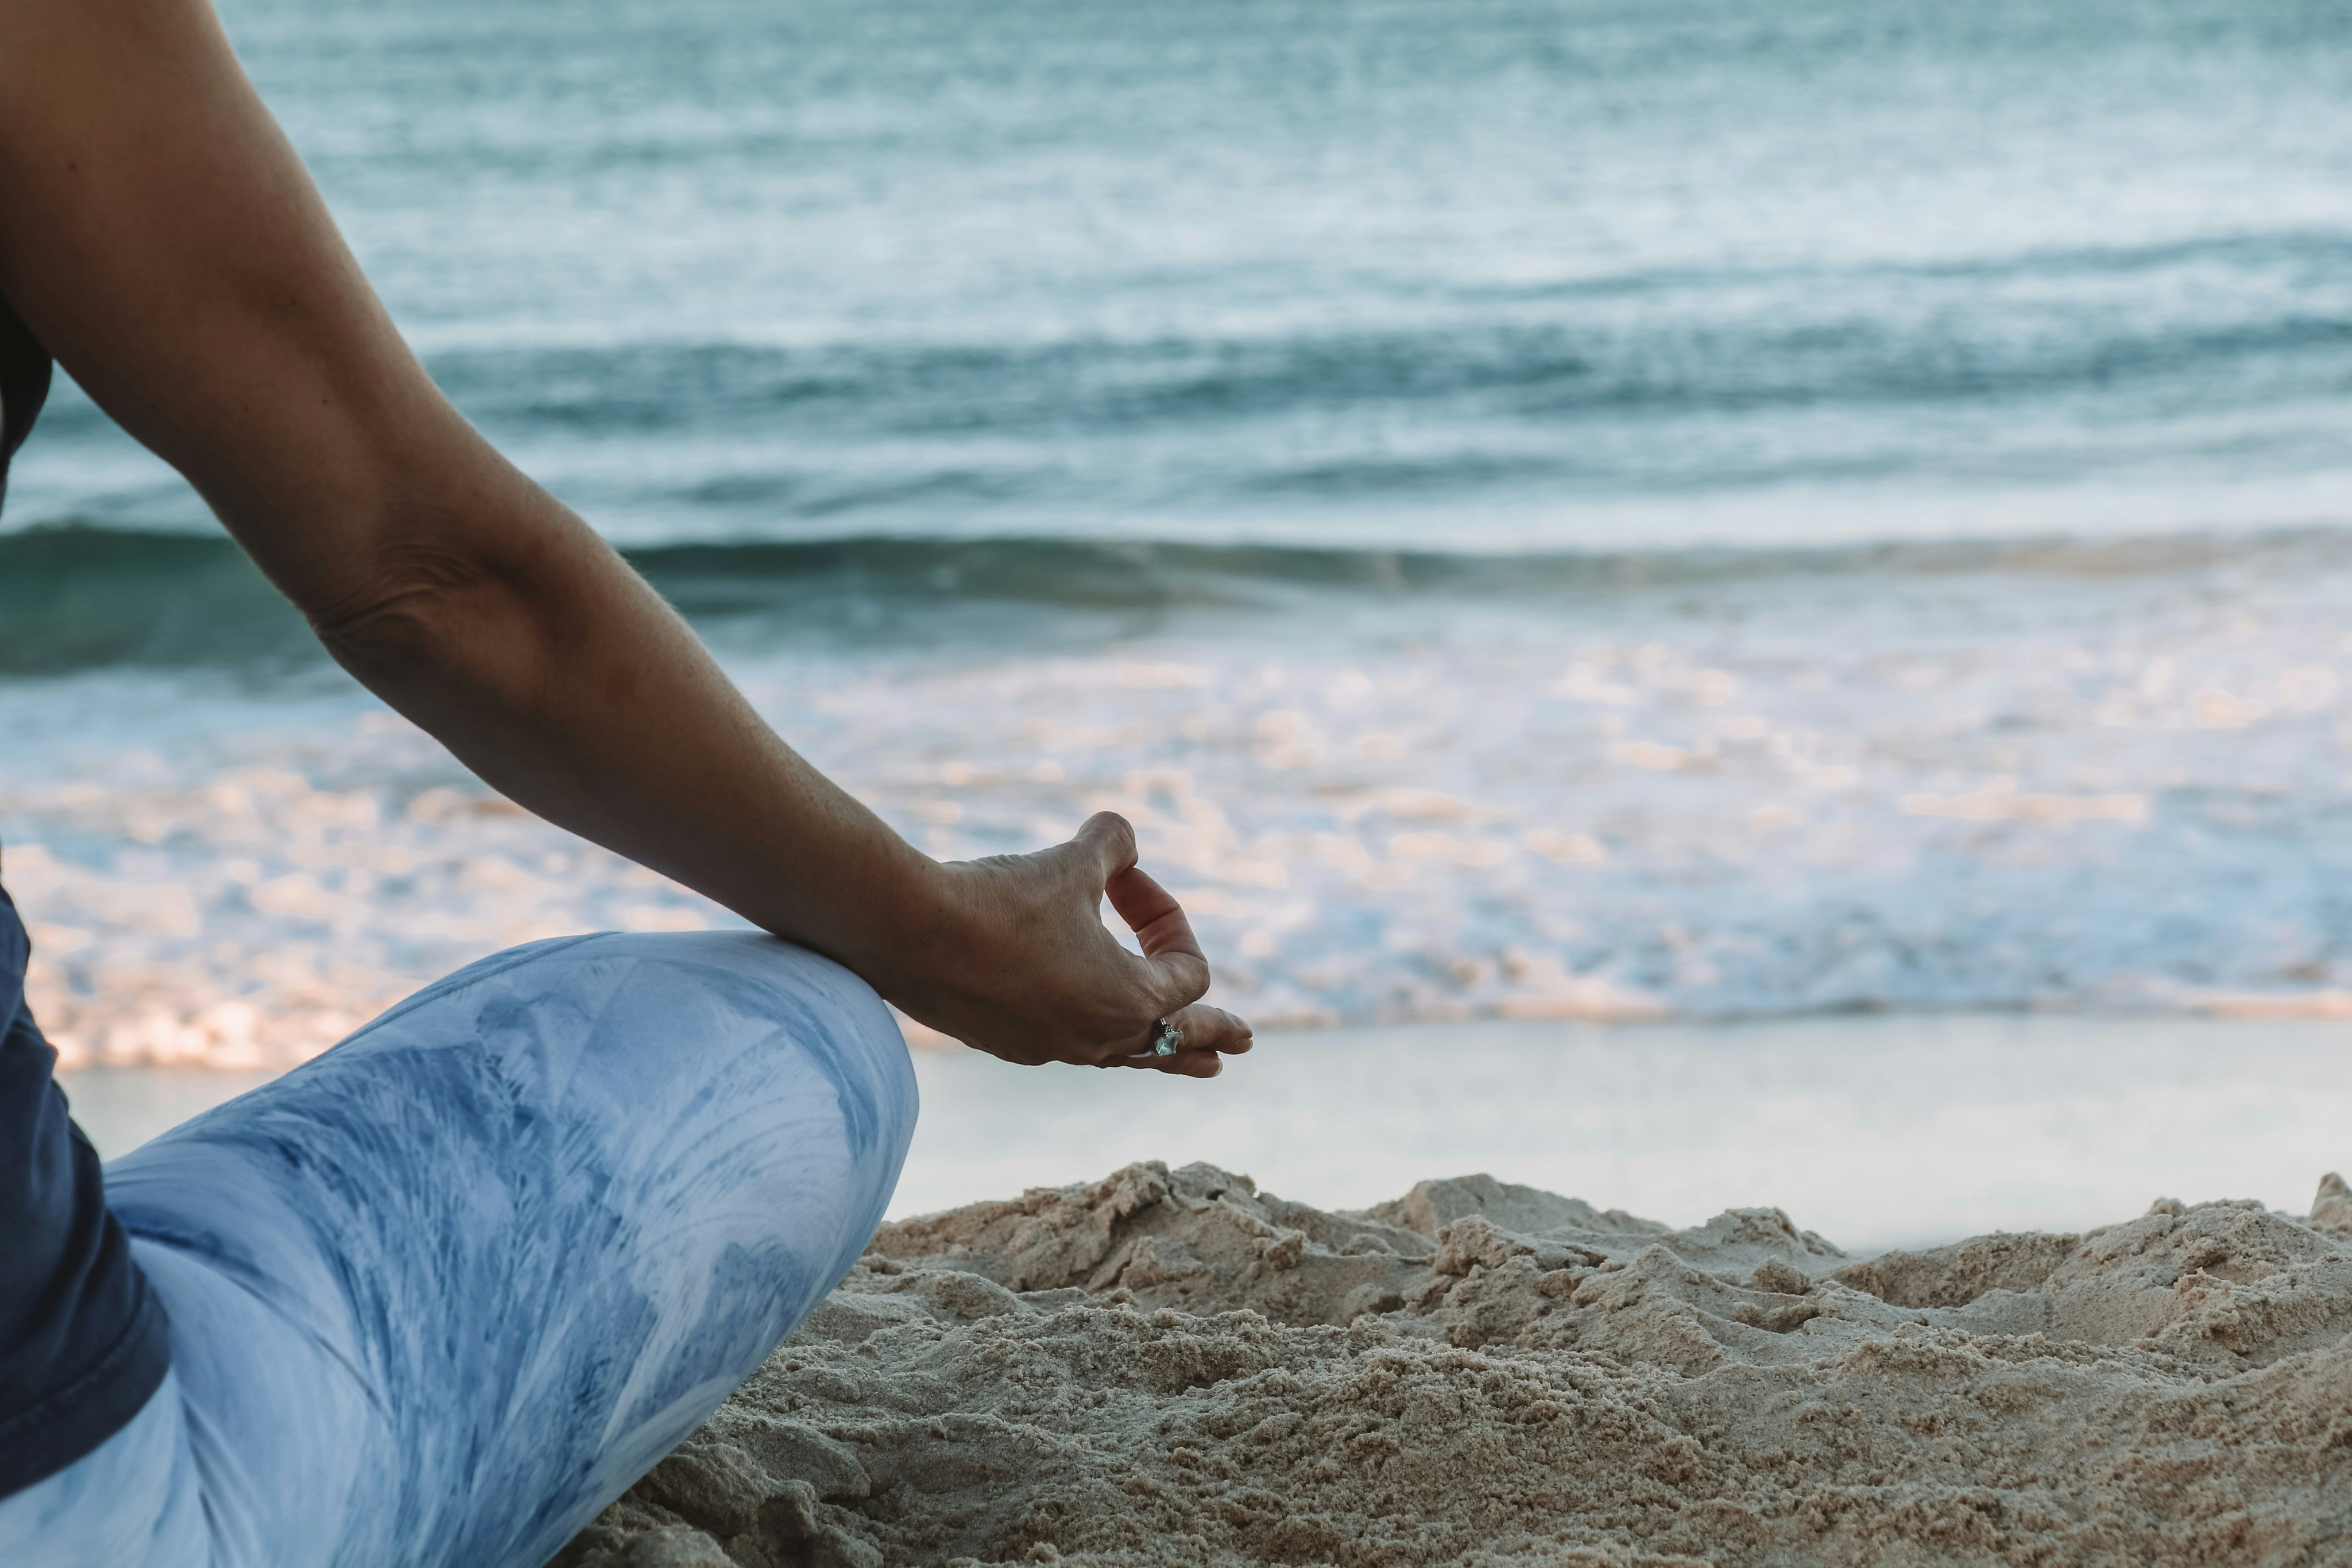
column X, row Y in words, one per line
column 159, row 237
column 552, row 669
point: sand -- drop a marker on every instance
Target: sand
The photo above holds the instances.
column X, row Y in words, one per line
column 1173, row 1368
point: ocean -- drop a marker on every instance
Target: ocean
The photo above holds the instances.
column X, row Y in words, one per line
column 1581, row 510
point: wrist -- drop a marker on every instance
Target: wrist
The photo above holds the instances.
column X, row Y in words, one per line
column 908, row 924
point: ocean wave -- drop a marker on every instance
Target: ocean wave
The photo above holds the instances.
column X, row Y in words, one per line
column 80, row 596
column 1300, row 431
column 2089, row 777
column 1987, row 335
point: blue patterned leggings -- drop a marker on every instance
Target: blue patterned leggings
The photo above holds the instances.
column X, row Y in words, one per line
column 440, row 1295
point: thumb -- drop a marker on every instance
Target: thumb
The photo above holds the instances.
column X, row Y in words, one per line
column 1107, row 840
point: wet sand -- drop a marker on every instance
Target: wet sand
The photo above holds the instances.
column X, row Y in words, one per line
column 1878, row 1130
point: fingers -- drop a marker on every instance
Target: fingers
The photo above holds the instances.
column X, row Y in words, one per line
column 1150, row 911
column 1211, row 1034
column 1163, row 933
column 1212, row 1030
column 1179, row 970
column 1153, row 912
column 1188, row 1064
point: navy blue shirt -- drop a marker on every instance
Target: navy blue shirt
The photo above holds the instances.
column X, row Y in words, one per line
column 83, row 1340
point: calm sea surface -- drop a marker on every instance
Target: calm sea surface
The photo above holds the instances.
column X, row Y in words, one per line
column 1562, row 509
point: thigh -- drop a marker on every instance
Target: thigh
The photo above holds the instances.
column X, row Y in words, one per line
column 516, row 1238
column 132, row 1502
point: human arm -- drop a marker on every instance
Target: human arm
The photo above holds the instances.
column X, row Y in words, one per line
column 160, row 236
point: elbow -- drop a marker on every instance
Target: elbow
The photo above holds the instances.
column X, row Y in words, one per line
column 407, row 611
column 503, row 605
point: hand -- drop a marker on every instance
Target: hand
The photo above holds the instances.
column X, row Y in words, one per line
column 1015, row 961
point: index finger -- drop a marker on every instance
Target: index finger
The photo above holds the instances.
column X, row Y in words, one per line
column 1158, row 920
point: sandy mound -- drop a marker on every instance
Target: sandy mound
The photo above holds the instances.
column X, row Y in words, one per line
column 1172, row 1367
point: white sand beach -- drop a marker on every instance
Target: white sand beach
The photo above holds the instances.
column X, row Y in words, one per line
column 1171, row 1367
column 1661, row 1326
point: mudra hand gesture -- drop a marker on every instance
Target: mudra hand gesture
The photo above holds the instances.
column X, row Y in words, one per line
column 1021, row 967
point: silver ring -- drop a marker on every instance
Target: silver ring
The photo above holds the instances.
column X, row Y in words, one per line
column 1169, row 1040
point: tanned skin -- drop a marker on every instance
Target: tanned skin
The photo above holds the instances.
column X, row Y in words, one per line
column 162, row 239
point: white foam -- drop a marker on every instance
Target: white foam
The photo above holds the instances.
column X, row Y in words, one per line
column 1793, row 795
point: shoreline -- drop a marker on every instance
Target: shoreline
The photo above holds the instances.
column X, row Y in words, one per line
column 1876, row 1131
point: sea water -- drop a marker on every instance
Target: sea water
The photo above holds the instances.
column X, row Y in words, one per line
column 1572, row 509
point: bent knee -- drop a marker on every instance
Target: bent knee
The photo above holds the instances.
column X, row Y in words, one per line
column 721, row 993
column 765, row 976
column 779, row 992
column 784, row 1016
